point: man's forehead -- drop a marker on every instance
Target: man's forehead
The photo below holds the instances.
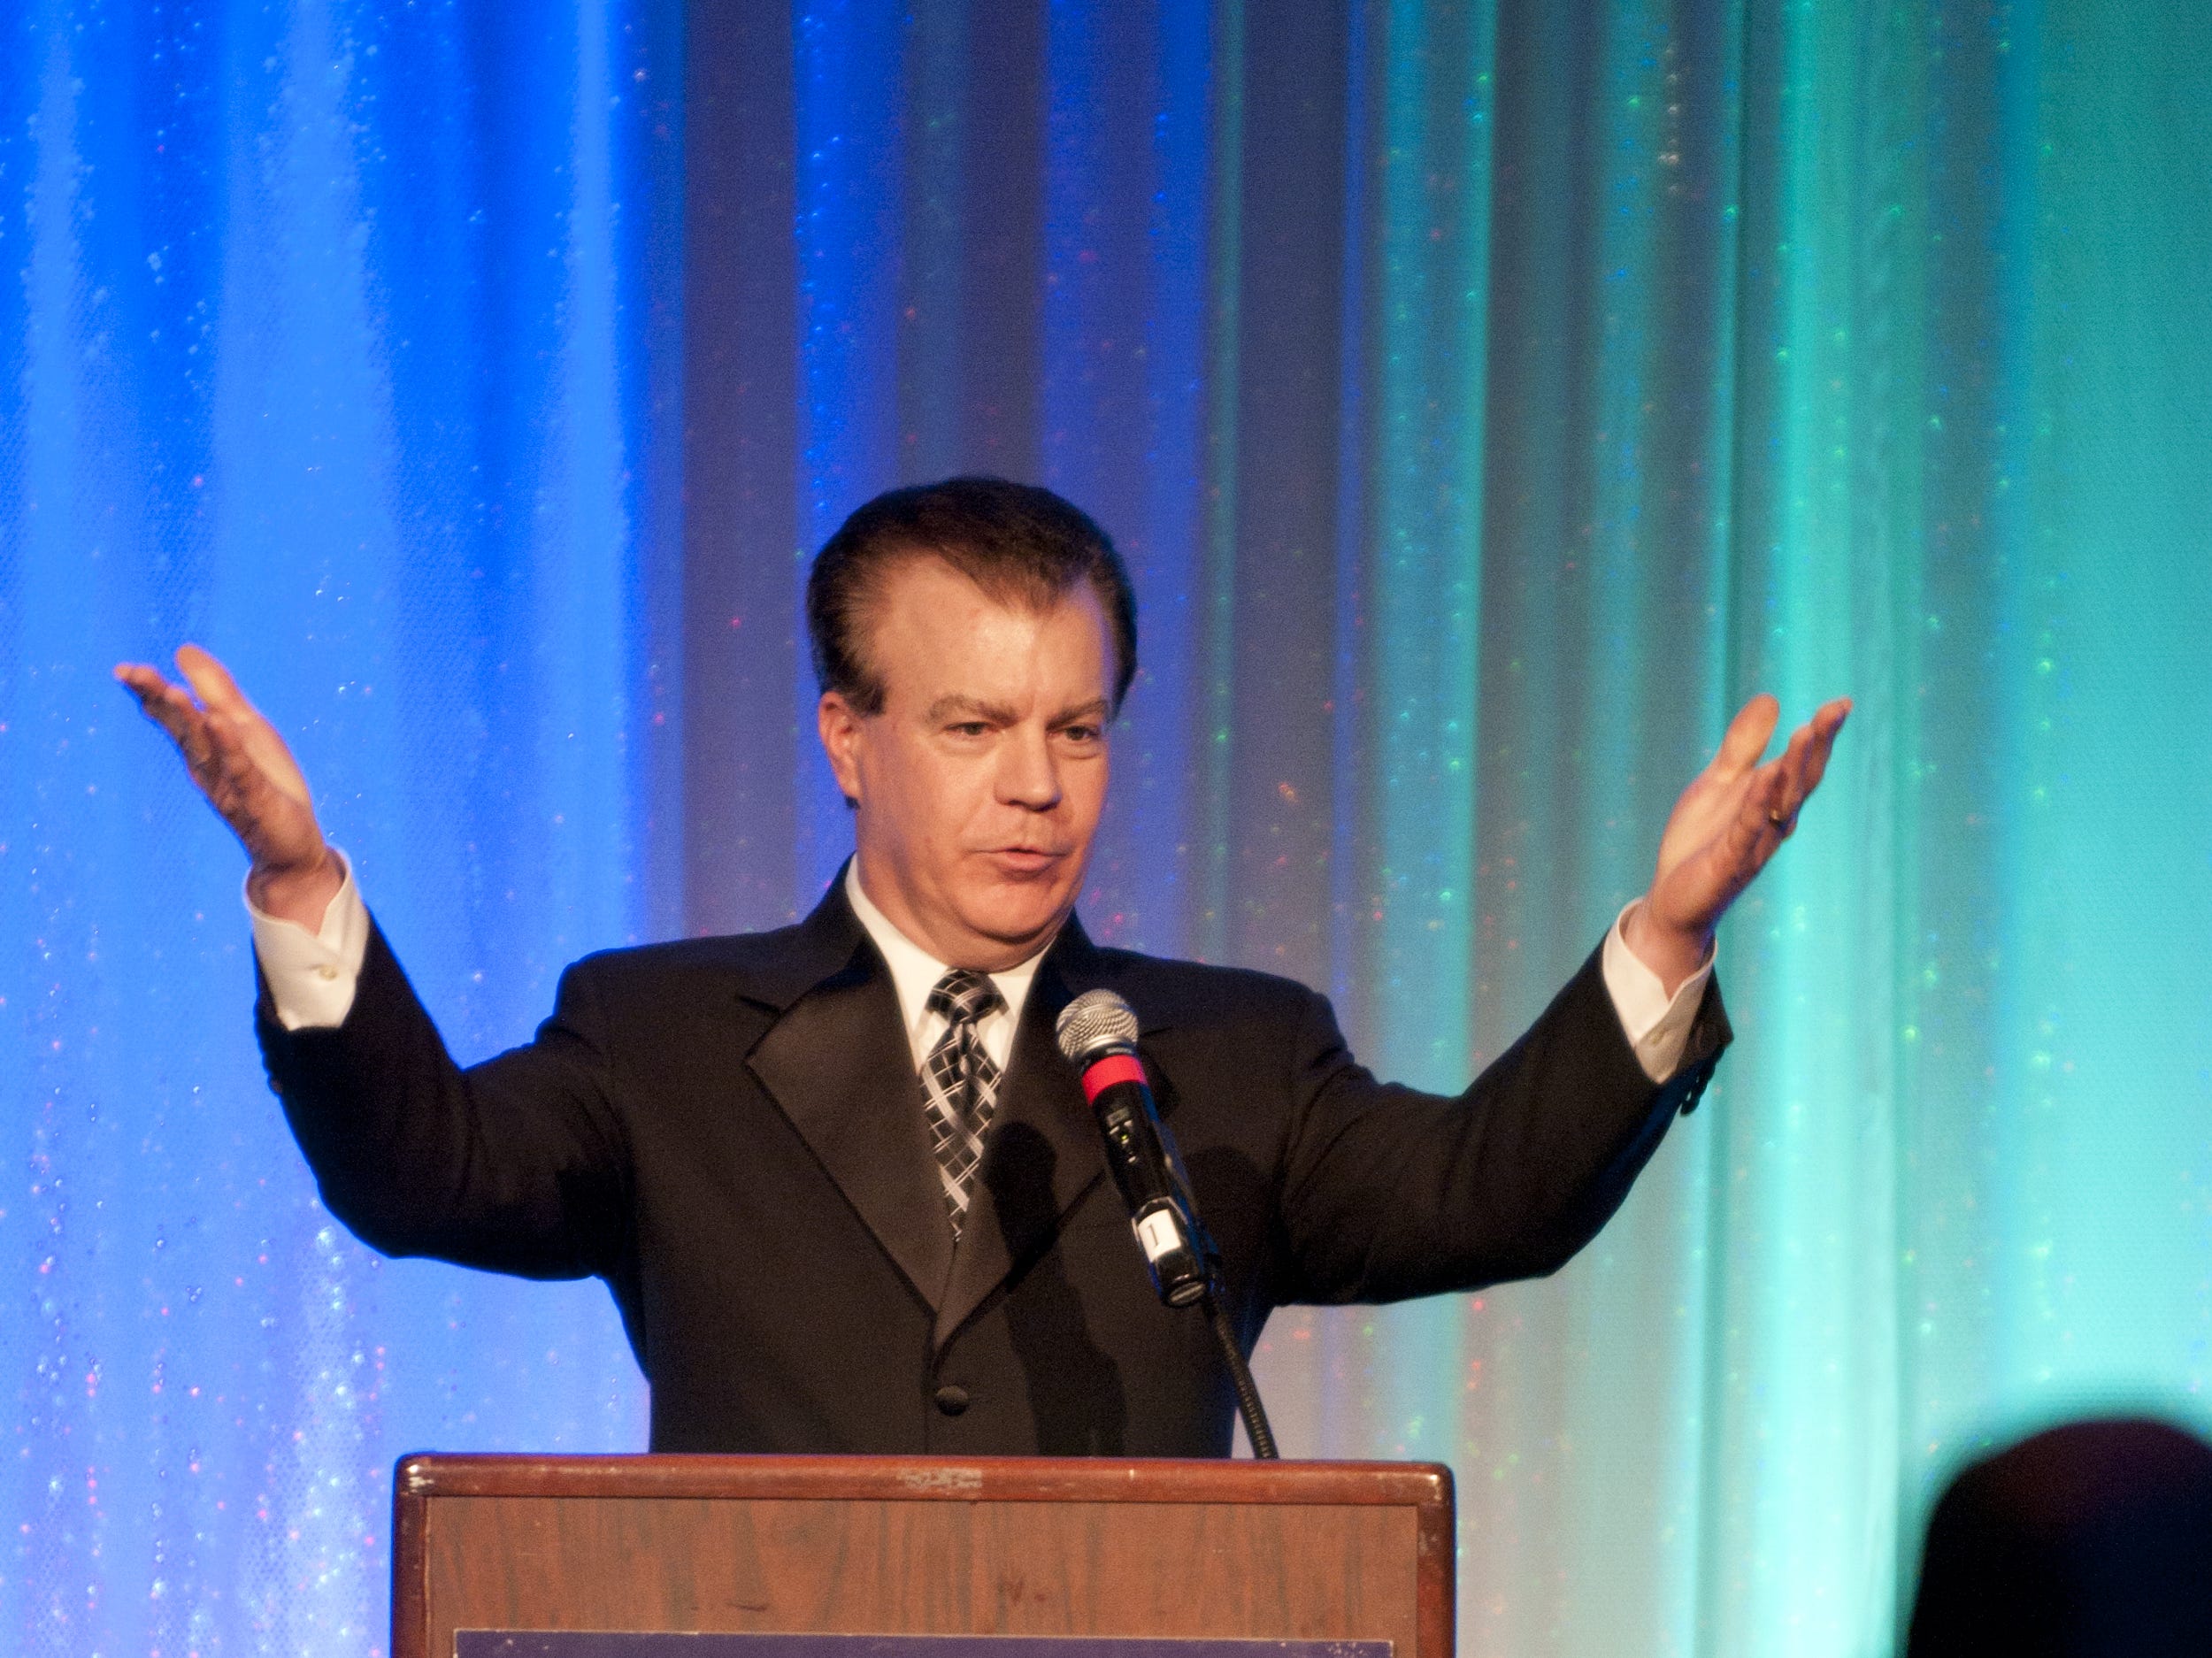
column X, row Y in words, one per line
column 941, row 607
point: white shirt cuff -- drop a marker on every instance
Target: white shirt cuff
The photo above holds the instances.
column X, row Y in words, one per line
column 1657, row 1027
column 313, row 975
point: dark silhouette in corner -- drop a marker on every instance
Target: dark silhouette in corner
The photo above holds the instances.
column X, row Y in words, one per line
column 2090, row 1539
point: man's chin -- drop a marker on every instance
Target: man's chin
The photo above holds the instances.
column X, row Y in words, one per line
column 1021, row 921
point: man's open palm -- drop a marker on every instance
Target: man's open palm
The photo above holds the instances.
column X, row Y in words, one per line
column 247, row 775
column 1729, row 822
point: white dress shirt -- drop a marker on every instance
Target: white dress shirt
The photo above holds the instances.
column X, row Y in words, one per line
column 915, row 971
column 312, row 977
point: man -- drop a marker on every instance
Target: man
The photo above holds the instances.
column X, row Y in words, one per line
column 841, row 1182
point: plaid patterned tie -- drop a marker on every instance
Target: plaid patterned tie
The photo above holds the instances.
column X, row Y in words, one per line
column 962, row 1083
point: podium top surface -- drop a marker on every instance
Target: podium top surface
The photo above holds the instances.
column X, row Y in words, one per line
column 1042, row 1547
column 923, row 1478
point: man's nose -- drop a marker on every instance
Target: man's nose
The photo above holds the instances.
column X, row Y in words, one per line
column 1028, row 774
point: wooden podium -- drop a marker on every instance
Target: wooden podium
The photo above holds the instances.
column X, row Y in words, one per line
column 923, row 1545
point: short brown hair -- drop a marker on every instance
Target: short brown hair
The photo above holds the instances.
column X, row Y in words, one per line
column 1019, row 543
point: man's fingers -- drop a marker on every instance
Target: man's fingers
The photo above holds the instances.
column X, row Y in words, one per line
column 170, row 705
column 1748, row 734
column 1818, row 746
column 238, row 788
column 211, row 681
column 219, row 762
column 1791, row 792
column 1827, row 724
column 270, row 755
column 1734, row 818
column 1753, row 823
column 154, row 694
column 256, row 738
column 140, row 679
column 234, row 755
column 1744, row 845
column 1772, row 807
column 171, row 708
column 212, row 743
column 1805, row 760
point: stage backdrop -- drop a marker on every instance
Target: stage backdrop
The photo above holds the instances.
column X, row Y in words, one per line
column 1487, row 397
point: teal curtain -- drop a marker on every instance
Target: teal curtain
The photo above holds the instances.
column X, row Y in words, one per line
column 1489, row 398
column 1820, row 348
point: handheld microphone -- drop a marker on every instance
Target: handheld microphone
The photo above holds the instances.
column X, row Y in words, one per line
column 1098, row 1033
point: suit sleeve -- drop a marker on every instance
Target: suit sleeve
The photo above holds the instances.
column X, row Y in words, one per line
column 516, row 1165
column 1390, row 1193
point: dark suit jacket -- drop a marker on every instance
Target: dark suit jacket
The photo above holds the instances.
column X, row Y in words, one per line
column 730, row 1132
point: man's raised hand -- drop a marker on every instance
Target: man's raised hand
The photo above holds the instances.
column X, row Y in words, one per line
column 1728, row 823
column 249, row 776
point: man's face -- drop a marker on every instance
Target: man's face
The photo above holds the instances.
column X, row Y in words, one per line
column 980, row 783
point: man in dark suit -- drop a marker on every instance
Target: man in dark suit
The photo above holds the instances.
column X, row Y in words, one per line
column 839, row 1179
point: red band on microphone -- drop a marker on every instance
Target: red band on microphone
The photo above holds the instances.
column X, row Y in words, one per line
column 1103, row 1073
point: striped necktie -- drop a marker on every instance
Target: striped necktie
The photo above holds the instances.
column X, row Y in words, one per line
column 962, row 1083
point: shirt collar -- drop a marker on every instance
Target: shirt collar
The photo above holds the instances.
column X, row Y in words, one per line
column 915, row 971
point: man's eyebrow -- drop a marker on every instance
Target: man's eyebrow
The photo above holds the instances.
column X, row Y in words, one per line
column 973, row 708
column 957, row 706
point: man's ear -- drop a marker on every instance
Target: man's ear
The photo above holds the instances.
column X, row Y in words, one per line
column 843, row 732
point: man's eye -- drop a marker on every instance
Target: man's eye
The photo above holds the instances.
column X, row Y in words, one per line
column 968, row 728
column 1080, row 733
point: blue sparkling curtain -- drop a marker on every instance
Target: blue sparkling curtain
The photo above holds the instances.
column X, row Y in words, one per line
column 323, row 340
column 1488, row 397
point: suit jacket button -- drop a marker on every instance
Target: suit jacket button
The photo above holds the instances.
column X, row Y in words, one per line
column 951, row 1399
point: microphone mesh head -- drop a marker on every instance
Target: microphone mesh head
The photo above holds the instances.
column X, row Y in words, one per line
column 1095, row 1019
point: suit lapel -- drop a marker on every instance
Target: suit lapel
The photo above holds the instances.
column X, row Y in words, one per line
column 839, row 1066
column 1042, row 1152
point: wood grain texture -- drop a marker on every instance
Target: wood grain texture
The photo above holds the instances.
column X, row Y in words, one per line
column 875, row 1545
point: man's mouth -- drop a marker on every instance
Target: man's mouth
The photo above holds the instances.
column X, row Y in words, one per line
column 1024, row 860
